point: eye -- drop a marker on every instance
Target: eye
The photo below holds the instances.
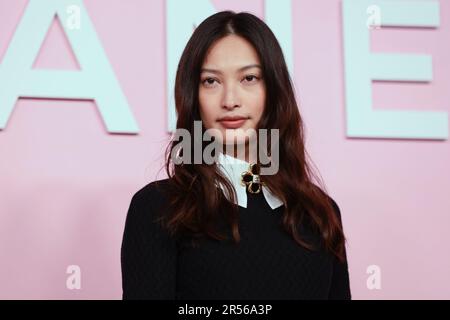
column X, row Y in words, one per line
column 208, row 82
column 249, row 78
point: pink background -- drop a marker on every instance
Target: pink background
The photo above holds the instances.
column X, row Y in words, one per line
column 66, row 184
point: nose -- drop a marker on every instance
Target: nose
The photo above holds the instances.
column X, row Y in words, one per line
column 230, row 100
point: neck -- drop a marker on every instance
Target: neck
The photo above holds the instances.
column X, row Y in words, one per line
column 241, row 152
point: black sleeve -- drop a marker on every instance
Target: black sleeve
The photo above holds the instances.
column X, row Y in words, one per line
column 148, row 253
column 340, row 285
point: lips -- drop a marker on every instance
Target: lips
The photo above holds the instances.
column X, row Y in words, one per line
column 233, row 122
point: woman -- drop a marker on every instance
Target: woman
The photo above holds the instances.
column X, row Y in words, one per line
column 225, row 230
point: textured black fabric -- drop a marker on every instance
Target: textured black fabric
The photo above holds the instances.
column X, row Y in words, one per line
column 266, row 264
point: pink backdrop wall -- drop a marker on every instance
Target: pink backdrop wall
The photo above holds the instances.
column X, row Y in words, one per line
column 65, row 183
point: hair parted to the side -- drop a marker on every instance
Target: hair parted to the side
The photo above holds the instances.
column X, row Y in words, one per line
column 195, row 203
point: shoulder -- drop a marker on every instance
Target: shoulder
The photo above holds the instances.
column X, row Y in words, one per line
column 150, row 198
column 336, row 208
column 143, row 230
column 334, row 204
column 151, row 191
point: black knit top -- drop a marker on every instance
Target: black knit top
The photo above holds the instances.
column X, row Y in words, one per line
column 266, row 264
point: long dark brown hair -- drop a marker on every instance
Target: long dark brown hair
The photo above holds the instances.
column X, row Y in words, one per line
column 195, row 203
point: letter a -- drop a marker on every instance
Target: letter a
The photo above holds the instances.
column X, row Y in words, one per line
column 95, row 81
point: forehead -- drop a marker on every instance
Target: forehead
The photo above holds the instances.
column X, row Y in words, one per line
column 231, row 53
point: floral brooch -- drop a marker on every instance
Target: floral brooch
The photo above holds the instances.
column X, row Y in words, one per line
column 251, row 179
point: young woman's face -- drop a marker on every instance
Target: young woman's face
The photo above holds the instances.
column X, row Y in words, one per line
column 231, row 85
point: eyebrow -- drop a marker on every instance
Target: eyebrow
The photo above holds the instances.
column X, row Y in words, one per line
column 240, row 69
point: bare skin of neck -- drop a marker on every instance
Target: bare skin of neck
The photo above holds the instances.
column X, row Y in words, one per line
column 241, row 151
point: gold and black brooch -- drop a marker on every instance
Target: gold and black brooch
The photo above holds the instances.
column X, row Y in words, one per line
column 251, row 179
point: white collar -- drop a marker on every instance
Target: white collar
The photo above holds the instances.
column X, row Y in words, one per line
column 232, row 168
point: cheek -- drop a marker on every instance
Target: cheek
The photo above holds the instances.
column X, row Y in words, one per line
column 207, row 109
column 258, row 103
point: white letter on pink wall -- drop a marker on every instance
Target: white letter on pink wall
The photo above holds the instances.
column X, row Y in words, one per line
column 95, row 81
column 361, row 67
